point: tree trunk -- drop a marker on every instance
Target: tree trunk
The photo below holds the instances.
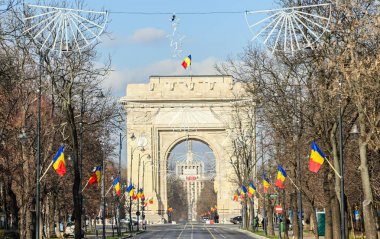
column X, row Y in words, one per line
column 245, row 215
column 51, row 216
column 285, row 216
column 335, row 212
column 328, row 216
column 270, row 218
column 313, row 221
column 251, row 214
column 335, row 155
column 368, row 212
column 76, row 194
column 369, row 225
column 293, row 203
column 57, row 220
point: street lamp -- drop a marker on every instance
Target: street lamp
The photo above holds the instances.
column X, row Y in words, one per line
column 121, row 138
column 138, row 187
column 143, row 182
column 103, row 197
column 262, row 164
column 141, row 144
column 342, row 201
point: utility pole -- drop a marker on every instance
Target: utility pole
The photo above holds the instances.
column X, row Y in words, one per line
column 262, row 163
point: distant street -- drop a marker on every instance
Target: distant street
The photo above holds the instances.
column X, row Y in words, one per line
column 194, row 230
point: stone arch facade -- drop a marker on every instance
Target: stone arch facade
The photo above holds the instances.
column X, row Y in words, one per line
column 170, row 109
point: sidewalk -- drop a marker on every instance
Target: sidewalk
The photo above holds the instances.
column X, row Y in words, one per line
column 109, row 234
column 260, row 234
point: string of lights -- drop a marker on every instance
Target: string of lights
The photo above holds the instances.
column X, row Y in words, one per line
column 177, row 13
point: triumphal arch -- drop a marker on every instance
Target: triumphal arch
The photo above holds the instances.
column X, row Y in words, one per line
column 165, row 112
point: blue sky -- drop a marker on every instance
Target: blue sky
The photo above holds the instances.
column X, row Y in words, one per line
column 139, row 45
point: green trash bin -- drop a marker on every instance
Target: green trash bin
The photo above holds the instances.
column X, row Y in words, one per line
column 282, row 227
column 321, row 223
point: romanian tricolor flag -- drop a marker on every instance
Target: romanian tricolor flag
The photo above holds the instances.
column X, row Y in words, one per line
column 95, row 176
column 281, row 175
column 236, row 196
column 243, row 191
column 316, row 158
column 140, row 193
column 130, row 190
column 116, row 185
column 251, row 189
column 266, row 183
column 134, row 195
column 59, row 164
column 186, row 62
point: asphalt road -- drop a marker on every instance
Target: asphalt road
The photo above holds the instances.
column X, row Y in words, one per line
column 194, row 230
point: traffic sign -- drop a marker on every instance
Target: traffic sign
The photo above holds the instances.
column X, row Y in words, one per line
column 278, row 209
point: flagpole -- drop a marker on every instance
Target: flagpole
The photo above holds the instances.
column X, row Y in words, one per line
column 333, row 168
column 85, row 185
column 43, row 175
column 293, row 183
column 108, row 190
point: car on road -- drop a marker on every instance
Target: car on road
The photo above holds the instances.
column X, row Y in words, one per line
column 236, row 220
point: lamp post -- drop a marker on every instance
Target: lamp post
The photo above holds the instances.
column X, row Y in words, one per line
column 138, row 188
column 342, row 204
column 143, row 182
column 81, row 156
column 141, row 144
column 118, row 200
column 38, row 158
column 262, row 164
column 298, row 136
column 103, row 199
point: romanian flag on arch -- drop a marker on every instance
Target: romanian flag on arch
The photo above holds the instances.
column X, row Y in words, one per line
column 266, row 183
column 116, row 185
column 316, row 158
column 95, row 176
column 59, row 164
column 251, row 189
column 186, row 62
column 281, row 175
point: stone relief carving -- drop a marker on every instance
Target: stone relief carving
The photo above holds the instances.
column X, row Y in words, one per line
column 145, row 117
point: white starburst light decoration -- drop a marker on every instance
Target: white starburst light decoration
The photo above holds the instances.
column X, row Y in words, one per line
column 290, row 29
column 63, row 29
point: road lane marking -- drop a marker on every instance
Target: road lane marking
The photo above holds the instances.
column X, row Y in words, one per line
column 192, row 230
column 182, row 231
column 210, row 232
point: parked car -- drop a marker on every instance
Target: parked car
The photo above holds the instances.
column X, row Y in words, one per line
column 70, row 230
column 204, row 219
column 126, row 221
column 236, row 220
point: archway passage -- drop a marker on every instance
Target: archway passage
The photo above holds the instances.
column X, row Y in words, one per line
column 190, row 180
column 168, row 111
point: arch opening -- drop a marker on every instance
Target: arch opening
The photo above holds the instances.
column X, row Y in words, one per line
column 191, row 170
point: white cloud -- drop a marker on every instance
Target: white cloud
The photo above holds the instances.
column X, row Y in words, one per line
column 147, row 35
column 118, row 79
